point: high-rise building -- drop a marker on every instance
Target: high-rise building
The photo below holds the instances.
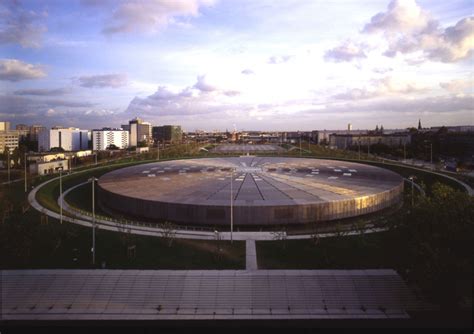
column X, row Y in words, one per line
column 139, row 131
column 8, row 138
column 23, row 131
column 105, row 137
column 4, row 126
column 34, row 130
column 69, row 139
column 168, row 133
column 349, row 127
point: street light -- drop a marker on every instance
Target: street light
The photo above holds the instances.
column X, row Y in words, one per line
column 411, row 178
column 26, row 182
column 404, row 152
column 92, row 180
column 231, row 205
column 359, row 147
column 8, row 163
column 431, row 156
column 60, row 194
column 300, row 144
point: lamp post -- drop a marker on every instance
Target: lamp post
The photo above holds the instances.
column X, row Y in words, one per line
column 411, row 178
column 26, row 182
column 405, row 152
column 60, row 194
column 368, row 147
column 431, row 155
column 300, row 144
column 231, row 205
column 8, row 163
column 359, row 147
column 92, row 180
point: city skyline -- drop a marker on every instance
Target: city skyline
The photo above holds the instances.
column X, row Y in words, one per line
column 293, row 65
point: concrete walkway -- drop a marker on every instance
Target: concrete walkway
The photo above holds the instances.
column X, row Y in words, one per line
column 250, row 255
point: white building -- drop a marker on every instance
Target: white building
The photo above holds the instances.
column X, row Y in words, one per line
column 102, row 139
column 49, row 167
column 69, row 139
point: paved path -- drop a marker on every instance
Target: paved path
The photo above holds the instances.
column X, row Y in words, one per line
column 250, row 255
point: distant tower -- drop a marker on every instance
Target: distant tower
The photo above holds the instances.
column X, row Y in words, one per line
column 377, row 128
column 349, row 127
column 381, row 129
column 419, row 124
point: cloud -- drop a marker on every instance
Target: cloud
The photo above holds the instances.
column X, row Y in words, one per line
column 16, row 70
column 203, row 85
column 383, row 87
column 382, row 70
column 400, row 107
column 19, row 26
column 401, row 15
column 279, row 59
column 103, row 81
column 346, row 52
column 457, row 86
column 247, row 71
column 28, row 110
column 43, row 92
column 151, row 15
column 64, row 103
column 409, row 29
column 201, row 98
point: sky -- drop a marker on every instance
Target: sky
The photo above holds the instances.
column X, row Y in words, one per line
column 237, row 64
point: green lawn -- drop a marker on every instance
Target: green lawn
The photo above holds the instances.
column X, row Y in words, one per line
column 345, row 252
column 30, row 240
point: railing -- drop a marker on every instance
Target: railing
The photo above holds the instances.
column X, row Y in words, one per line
column 125, row 222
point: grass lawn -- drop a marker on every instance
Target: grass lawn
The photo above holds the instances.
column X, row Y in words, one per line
column 345, row 252
column 28, row 241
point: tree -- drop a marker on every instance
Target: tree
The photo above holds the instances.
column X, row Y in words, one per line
column 437, row 234
column 168, row 232
column 281, row 236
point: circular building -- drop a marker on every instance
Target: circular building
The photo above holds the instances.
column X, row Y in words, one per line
column 260, row 190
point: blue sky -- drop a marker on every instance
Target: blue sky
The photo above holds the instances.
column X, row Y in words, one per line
column 263, row 65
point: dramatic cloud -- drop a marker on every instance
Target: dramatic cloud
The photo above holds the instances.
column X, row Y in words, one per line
column 410, row 29
column 457, row 86
column 16, row 70
column 401, row 15
column 279, row 59
column 346, row 52
column 202, row 98
column 102, row 81
column 43, row 92
column 151, row 15
column 20, row 26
